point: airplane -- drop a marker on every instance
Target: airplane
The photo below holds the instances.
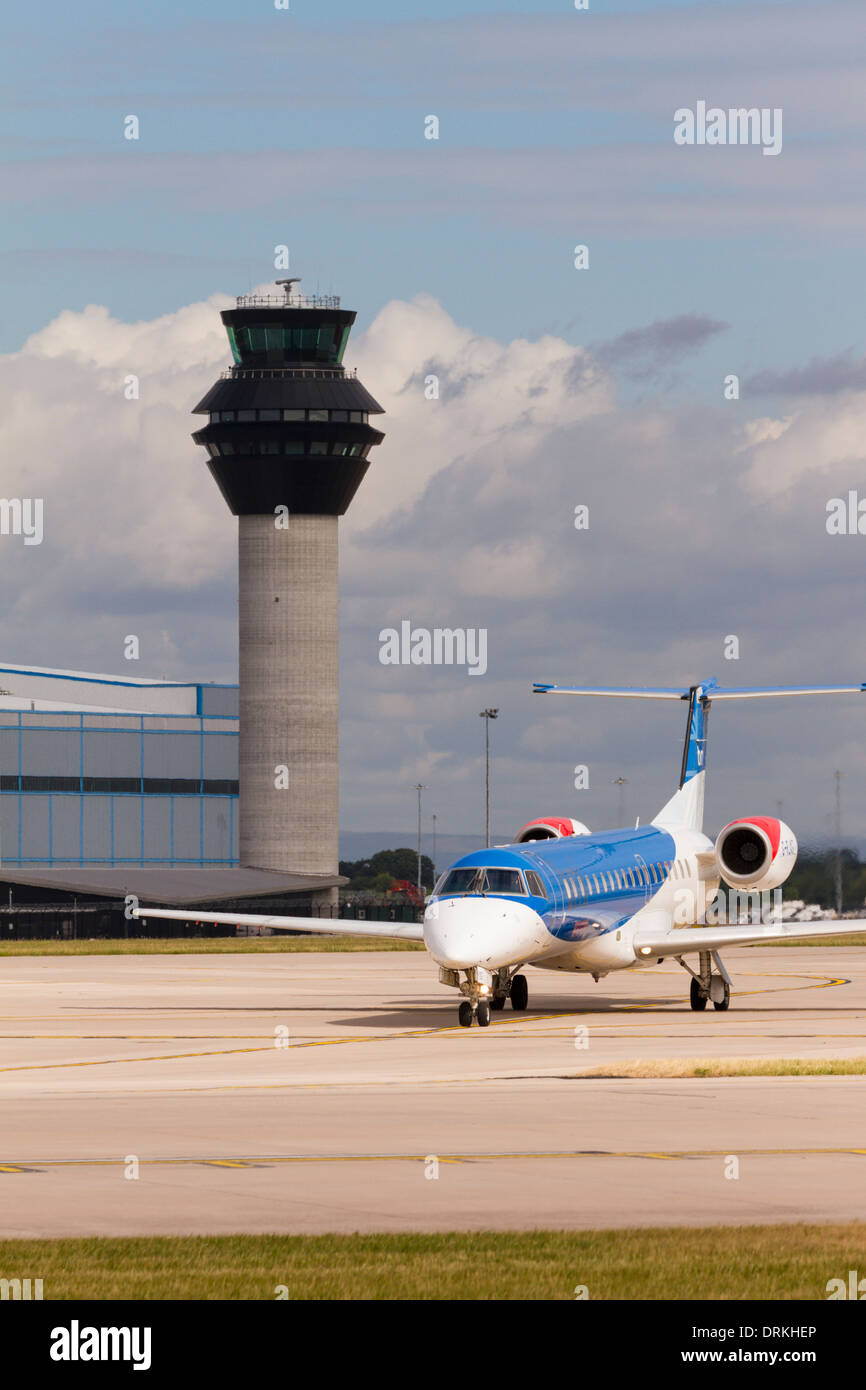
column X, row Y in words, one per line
column 563, row 898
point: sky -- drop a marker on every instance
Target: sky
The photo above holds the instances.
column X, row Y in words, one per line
column 560, row 387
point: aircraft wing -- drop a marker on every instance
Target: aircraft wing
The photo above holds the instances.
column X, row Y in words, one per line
column 681, row 940
column 325, row 926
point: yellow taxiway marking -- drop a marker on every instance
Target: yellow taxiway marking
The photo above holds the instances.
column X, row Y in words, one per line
column 127, row 1037
column 515, row 1155
column 120, row 1061
column 599, row 1033
column 815, row 982
column 227, row 1162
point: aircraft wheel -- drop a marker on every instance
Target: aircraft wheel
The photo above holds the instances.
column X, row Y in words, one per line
column 519, row 992
column 725, row 1001
column 464, row 1014
column 697, row 998
column 497, row 1002
column 482, row 1013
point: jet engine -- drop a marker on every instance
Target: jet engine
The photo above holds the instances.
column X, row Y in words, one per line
column 551, row 828
column 756, row 852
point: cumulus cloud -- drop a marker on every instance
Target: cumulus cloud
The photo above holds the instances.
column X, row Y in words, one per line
column 507, row 397
column 702, row 523
column 821, row 441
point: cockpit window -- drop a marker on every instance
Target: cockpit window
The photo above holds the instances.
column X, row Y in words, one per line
column 504, row 881
column 481, row 880
column 457, row 881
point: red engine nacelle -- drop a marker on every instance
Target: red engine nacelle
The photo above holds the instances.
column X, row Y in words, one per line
column 756, row 852
column 551, row 828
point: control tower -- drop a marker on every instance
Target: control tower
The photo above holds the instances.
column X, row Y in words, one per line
column 288, row 439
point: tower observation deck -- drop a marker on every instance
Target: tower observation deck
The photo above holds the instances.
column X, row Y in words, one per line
column 288, row 438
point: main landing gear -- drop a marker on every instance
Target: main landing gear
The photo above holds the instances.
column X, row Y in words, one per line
column 707, row 984
column 485, row 993
column 519, row 993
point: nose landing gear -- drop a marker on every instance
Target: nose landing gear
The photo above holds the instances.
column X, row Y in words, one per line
column 480, row 1010
column 485, row 992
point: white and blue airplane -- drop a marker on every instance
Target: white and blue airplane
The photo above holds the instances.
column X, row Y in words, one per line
column 561, row 898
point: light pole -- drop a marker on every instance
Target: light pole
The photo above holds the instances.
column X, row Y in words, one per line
column 622, row 783
column 487, row 715
column 838, row 829
column 433, row 818
column 419, row 787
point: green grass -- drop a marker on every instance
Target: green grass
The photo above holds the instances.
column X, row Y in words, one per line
column 678, row 1067
column 263, row 945
column 196, row 946
column 723, row 1262
column 857, row 939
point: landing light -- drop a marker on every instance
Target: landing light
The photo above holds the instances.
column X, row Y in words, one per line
column 645, row 950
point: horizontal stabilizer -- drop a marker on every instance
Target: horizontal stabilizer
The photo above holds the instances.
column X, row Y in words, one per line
column 709, row 691
column 625, row 692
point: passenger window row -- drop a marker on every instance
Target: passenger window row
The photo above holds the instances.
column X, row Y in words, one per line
column 620, row 880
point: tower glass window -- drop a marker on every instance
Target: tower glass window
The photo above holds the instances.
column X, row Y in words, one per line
column 278, row 341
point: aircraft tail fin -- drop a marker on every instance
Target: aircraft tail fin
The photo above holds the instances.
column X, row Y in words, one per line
column 685, row 809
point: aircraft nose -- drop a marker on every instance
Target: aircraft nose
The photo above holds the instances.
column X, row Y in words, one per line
column 462, row 932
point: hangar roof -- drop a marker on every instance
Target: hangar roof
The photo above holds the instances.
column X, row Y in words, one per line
column 44, row 688
column 170, row 885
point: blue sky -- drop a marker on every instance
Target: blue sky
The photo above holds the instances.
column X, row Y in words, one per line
column 147, row 226
column 306, row 128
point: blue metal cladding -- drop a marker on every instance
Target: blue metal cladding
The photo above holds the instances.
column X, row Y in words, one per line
column 117, row 788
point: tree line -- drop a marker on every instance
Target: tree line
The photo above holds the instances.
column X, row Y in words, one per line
column 377, row 873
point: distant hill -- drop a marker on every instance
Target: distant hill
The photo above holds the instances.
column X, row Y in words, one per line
column 361, row 844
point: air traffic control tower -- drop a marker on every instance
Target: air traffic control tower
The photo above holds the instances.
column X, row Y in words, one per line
column 288, row 438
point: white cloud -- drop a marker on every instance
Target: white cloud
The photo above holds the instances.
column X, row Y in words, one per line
column 824, row 438
column 502, row 397
column 465, row 519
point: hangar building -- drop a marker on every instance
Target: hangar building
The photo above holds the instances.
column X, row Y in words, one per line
column 119, row 785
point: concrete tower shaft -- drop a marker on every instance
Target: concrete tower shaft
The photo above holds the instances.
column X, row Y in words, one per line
column 288, row 438
column 289, row 654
